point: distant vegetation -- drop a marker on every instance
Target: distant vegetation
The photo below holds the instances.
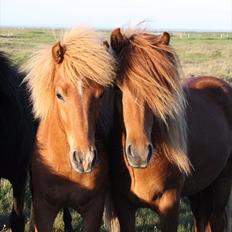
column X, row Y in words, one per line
column 199, row 53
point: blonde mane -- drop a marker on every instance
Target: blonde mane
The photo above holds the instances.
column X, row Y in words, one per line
column 151, row 71
column 85, row 58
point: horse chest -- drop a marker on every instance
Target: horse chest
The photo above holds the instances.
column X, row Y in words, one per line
column 69, row 190
column 151, row 183
column 146, row 185
column 52, row 173
column 67, row 194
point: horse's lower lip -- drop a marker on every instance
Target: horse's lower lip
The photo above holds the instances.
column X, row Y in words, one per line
column 88, row 171
column 142, row 166
column 137, row 165
column 80, row 169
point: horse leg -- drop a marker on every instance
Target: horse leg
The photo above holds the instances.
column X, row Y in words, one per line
column 110, row 219
column 168, row 210
column 201, row 207
column 93, row 215
column 195, row 206
column 17, row 220
column 44, row 215
column 125, row 212
column 219, row 220
column 67, row 218
column 31, row 219
column 228, row 212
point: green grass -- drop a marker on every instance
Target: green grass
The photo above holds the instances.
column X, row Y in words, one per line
column 199, row 53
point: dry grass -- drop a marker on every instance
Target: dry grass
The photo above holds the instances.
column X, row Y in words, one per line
column 200, row 53
column 206, row 56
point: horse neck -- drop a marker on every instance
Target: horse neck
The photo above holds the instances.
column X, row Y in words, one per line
column 52, row 140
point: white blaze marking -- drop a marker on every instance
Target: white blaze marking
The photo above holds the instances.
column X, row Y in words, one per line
column 72, row 142
column 80, row 88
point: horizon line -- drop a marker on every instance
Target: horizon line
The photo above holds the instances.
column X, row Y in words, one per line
column 111, row 28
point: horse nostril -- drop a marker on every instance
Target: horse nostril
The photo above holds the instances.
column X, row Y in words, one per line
column 76, row 158
column 129, row 150
column 94, row 157
column 150, row 151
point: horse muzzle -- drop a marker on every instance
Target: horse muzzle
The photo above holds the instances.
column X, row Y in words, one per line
column 84, row 162
column 139, row 157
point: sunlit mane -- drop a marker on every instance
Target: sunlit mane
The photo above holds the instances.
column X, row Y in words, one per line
column 150, row 70
column 85, row 58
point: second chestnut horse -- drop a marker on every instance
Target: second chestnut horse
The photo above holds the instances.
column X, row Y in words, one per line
column 171, row 140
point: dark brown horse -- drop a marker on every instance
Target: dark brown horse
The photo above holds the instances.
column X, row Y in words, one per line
column 16, row 136
column 209, row 120
column 151, row 150
column 69, row 89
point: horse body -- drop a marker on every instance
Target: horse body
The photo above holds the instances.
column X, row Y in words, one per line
column 209, row 148
column 72, row 100
column 16, row 137
column 8, row 143
column 209, row 115
column 156, row 181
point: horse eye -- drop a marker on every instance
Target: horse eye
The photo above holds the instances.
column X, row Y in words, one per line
column 59, row 96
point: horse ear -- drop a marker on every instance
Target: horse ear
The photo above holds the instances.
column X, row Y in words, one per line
column 117, row 40
column 164, row 38
column 58, row 52
column 106, row 44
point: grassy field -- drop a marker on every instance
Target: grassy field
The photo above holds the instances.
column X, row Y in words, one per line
column 199, row 53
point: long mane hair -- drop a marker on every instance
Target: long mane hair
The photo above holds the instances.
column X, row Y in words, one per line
column 150, row 68
column 85, row 58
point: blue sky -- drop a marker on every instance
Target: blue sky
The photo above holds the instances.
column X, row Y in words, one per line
column 204, row 15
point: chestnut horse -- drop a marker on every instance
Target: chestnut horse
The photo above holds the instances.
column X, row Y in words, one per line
column 154, row 161
column 69, row 165
column 16, row 136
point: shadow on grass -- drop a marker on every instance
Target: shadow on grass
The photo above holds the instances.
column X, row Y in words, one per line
column 147, row 228
column 4, row 222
